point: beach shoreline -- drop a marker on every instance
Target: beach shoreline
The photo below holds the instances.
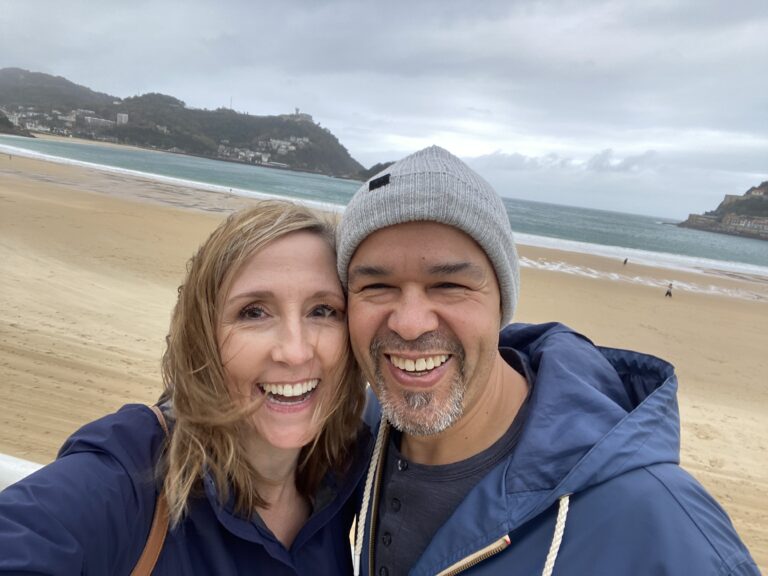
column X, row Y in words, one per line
column 210, row 199
column 90, row 262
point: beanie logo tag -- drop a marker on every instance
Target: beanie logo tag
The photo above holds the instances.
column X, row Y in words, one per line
column 378, row 182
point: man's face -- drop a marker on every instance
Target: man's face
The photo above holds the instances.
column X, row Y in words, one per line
column 424, row 314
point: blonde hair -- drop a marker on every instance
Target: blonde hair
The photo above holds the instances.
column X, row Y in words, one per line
column 208, row 421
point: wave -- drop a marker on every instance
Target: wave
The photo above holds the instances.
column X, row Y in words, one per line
column 679, row 262
column 660, row 283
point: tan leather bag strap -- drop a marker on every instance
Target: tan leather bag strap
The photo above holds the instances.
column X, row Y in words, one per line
column 159, row 527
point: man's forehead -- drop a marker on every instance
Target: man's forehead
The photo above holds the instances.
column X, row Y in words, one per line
column 432, row 247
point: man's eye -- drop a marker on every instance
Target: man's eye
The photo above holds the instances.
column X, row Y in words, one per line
column 448, row 286
column 252, row 312
column 378, row 286
column 325, row 311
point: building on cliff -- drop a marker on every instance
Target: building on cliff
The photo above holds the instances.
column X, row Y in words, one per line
column 745, row 215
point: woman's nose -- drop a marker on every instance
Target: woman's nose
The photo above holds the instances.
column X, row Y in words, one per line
column 293, row 345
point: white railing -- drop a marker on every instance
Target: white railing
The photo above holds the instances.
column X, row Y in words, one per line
column 14, row 469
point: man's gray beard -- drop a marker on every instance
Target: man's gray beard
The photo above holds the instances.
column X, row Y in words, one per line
column 420, row 417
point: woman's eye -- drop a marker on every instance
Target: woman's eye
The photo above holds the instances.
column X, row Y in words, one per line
column 325, row 311
column 252, row 313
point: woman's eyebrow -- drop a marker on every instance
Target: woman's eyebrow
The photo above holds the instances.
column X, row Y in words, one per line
column 267, row 294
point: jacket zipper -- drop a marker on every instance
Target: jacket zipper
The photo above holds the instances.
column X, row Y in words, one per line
column 477, row 557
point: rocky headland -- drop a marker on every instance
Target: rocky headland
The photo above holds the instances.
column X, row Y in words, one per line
column 745, row 215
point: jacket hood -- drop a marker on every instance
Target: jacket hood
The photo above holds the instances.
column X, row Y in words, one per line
column 593, row 413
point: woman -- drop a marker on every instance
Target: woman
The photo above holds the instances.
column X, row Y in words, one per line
column 264, row 450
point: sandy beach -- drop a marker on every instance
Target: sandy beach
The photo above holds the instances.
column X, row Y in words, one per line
column 90, row 262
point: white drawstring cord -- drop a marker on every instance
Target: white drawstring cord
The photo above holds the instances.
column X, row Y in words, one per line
column 361, row 517
column 557, row 539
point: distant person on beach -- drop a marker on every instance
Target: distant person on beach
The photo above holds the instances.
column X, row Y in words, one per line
column 668, row 293
column 625, row 261
column 264, row 447
column 528, row 452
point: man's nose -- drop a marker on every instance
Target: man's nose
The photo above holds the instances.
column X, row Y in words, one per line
column 413, row 315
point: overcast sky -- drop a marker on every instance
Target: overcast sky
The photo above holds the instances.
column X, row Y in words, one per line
column 656, row 107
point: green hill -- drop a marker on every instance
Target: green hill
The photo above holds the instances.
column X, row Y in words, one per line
column 55, row 104
column 24, row 88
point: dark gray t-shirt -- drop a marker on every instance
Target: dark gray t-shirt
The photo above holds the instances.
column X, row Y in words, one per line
column 416, row 500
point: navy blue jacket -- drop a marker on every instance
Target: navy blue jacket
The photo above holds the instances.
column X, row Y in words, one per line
column 603, row 427
column 89, row 512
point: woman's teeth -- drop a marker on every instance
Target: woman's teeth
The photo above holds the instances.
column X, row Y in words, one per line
column 290, row 390
column 420, row 364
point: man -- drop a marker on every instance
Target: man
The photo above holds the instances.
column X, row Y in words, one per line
column 503, row 454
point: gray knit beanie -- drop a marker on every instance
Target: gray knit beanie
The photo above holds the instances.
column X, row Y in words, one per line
column 433, row 185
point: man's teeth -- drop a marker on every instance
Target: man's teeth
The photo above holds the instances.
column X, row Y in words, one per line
column 289, row 390
column 420, row 364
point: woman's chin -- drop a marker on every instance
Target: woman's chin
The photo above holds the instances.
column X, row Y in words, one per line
column 286, row 436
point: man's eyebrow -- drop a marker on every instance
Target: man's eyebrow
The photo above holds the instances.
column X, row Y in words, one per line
column 368, row 271
column 448, row 268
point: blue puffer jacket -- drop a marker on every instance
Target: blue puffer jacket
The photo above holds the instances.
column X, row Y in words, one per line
column 89, row 512
column 602, row 429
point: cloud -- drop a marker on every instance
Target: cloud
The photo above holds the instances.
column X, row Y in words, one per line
column 618, row 91
column 651, row 183
column 603, row 161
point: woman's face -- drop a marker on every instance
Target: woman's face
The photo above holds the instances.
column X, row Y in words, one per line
column 282, row 334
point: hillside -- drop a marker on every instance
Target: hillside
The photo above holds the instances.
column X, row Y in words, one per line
column 8, row 127
column 23, row 88
column 45, row 103
column 745, row 215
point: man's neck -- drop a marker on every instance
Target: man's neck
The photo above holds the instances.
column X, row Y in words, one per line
column 479, row 427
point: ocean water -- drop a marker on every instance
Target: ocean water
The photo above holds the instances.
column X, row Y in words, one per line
column 642, row 239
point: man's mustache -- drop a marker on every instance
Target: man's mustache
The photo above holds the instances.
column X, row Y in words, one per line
column 428, row 342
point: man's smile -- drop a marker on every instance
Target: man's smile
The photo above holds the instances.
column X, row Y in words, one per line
column 421, row 364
